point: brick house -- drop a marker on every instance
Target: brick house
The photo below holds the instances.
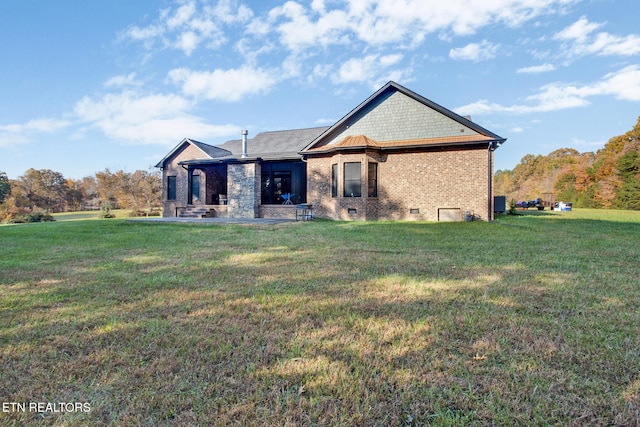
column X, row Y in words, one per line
column 397, row 155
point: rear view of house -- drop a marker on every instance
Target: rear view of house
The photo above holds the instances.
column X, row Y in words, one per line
column 397, row 155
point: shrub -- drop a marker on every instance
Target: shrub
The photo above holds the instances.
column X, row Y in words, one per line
column 512, row 208
column 144, row 213
column 12, row 214
column 24, row 217
column 105, row 211
column 38, row 216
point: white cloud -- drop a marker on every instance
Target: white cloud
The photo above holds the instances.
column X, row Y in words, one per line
column 187, row 28
column 475, row 51
column 384, row 21
column 606, row 44
column 578, row 31
column 357, row 70
column 372, row 69
column 187, row 42
column 536, row 69
column 318, row 5
column 146, row 33
column 582, row 39
column 36, row 125
column 182, row 15
column 557, row 96
column 298, row 31
column 230, row 12
column 147, row 119
column 405, row 22
column 224, row 85
column 22, row 133
column 623, row 84
column 389, row 60
column 119, row 81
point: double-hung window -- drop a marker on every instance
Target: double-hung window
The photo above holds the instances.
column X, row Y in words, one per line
column 352, row 185
column 171, row 188
column 373, row 180
column 334, row 180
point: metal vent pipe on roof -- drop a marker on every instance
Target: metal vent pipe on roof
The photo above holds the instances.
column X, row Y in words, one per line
column 244, row 144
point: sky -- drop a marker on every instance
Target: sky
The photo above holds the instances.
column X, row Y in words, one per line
column 91, row 85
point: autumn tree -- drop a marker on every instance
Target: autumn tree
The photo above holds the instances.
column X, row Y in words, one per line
column 5, row 187
column 43, row 189
column 609, row 178
column 139, row 191
column 628, row 195
column 502, row 182
column 107, row 186
column 89, row 188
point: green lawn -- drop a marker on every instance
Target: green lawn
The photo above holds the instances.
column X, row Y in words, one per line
column 531, row 320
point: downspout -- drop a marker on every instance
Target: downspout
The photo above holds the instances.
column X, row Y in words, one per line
column 490, row 182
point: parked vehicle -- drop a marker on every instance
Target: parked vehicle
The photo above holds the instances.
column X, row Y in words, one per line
column 537, row 203
column 562, row 206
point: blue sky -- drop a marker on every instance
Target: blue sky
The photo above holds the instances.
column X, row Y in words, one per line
column 89, row 85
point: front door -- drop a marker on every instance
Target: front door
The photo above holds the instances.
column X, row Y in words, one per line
column 194, row 189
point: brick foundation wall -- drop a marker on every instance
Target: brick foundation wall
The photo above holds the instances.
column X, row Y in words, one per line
column 278, row 211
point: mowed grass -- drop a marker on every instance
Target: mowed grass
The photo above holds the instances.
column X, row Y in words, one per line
column 531, row 320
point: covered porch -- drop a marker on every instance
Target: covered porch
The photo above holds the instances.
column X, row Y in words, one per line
column 242, row 188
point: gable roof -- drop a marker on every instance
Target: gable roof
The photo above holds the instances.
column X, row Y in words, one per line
column 479, row 134
column 413, row 131
column 208, row 151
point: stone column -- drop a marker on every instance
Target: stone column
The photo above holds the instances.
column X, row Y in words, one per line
column 243, row 189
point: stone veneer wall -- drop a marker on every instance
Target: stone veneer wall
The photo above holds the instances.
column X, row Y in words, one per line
column 243, row 190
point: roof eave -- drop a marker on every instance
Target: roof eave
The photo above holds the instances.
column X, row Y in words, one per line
column 240, row 159
column 405, row 147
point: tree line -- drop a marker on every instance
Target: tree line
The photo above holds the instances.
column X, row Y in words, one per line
column 608, row 178
column 39, row 192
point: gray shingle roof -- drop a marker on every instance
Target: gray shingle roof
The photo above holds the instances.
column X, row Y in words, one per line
column 282, row 143
column 211, row 150
column 208, row 150
column 275, row 145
